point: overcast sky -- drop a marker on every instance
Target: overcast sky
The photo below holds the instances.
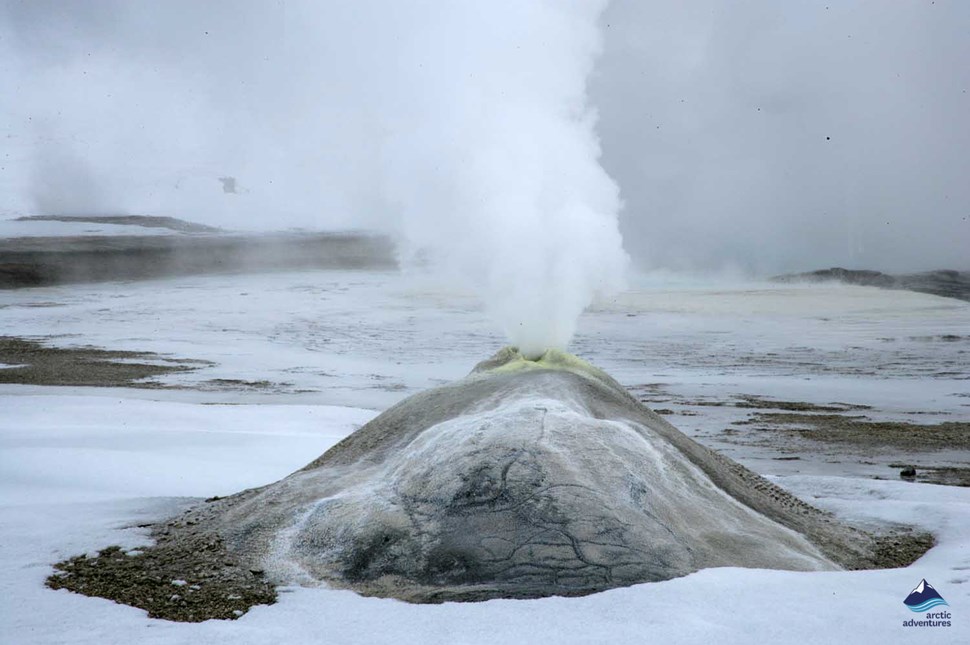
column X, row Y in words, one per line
column 760, row 136
column 789, row 135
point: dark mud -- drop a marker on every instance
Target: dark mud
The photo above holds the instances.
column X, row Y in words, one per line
column 752, row 402
column 40, row 364
column 226, row 384
column 655, row 393
column 864, row 432
column 919, row 471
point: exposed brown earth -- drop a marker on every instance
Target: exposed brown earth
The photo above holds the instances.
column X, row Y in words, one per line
column 860, row 431
column 38, row 364
column 188, row 579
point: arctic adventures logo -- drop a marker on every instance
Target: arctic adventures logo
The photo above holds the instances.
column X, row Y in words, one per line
column 923, row 598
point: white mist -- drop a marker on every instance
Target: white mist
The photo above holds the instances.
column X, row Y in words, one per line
column 463, row 128
column 492, row 162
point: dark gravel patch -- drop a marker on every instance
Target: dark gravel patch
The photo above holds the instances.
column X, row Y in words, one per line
column 861, row 431
column 750, row 401
column 186, row 581
column 931, row 474
column 902, row 548
column 39, row 364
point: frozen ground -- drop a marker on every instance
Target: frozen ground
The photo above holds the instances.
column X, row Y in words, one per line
column 80, row 466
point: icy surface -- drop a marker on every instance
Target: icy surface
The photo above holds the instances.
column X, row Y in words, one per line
column 79, row 465
column 369, row 339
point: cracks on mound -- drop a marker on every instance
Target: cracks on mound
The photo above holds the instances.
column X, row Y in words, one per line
column 504, row 524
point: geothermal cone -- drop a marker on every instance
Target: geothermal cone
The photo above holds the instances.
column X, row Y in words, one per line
column 527, row 478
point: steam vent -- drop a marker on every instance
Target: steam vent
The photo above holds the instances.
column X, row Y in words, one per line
column 527, row 478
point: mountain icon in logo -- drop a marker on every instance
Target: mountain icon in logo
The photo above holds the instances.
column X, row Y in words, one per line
column 924, row 597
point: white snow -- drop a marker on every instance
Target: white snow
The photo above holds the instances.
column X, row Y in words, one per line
column 79, row 467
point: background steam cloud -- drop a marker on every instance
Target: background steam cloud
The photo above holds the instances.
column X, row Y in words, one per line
column 463, row 128
column 789, row 136
column 491, row 159
column 755, row 136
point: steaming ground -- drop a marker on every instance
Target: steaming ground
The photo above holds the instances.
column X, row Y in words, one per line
column 821, row 388
column 52, row 250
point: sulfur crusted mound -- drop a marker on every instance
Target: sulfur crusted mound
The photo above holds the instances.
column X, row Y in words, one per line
column 527, row 478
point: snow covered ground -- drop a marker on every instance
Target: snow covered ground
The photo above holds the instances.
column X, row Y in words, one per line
column 80, row 468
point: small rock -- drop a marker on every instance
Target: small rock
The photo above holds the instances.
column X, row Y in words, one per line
column 908, row 473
